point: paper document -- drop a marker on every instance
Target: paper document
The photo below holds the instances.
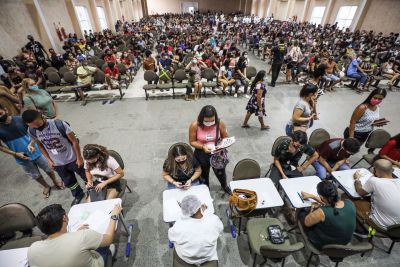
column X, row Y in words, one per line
column 226, row 142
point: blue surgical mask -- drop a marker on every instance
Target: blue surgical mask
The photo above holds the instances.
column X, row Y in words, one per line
column 34, row 88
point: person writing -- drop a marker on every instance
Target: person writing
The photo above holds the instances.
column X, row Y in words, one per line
column 181, row 169
column 83, row 248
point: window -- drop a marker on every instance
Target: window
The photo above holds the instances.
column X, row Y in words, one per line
column 83, row 17
column 345, row 16
column 102, row 17
column 317, row 15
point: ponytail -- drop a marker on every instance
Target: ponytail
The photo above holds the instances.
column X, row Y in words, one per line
column 329, row 191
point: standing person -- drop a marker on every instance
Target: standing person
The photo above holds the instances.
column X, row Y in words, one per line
column 365, row 115
column 278, row 52
column 37, row 50
column 304, row 110
column 35, row 98
column 59, row 146
column 202, row 136
column 256, row 104
column 13, row 132
column 240, row 77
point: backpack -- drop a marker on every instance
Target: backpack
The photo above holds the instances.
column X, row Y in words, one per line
column 60, row 127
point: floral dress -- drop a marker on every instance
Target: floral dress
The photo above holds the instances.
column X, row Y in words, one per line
column 252, row 105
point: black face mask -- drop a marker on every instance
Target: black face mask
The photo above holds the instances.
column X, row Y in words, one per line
column 3, row 118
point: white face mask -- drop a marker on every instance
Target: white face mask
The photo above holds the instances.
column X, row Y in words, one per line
column 209, row 123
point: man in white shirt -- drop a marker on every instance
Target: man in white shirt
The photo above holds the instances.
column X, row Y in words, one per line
column 195, row 235
column 383, row 210
column 83, row 248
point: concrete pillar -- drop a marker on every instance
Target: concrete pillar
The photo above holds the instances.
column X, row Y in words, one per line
column 271, row 4
column 74, row 18
column 253, row 7
column 93, row 10
column 328, row 12
column 360, row 15
column 131, row 10
column 140, row 5
column 43, row 29
column 305, row 9
column 262, row 9
column 109, row 14
column 117, row 9
column 145, row 8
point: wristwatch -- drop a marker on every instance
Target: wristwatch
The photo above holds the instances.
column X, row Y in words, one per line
column 114, row 217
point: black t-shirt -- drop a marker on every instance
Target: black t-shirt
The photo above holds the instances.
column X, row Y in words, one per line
column 35, row 47
column 277, row 55
column 182, row 175
column 286, row 158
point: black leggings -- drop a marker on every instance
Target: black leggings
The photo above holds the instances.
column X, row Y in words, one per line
column 204, row 160
column 360, row 136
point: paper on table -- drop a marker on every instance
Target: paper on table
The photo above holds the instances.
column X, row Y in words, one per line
column 23, row 263
column 98, row 221
column 365, row 175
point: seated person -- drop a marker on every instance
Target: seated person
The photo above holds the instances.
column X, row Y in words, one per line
column 196, row 234
column 391, row 151
column 225, row 77
column 382, row 211
column 85, row 73
column 330, row 220
column 9, row 101
column 102, row 170
column 333, row 155
column 112, row 75
column 83, row 248
column 36, row 73
column 355, row 71
column 71, row 63
column 109, row 57
column 332, row 79
column 288, row 154
column 181, row 169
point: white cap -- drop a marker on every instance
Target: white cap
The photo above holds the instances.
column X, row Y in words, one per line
column 190, row 205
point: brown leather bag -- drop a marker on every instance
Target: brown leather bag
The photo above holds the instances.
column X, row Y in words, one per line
column 243, row 200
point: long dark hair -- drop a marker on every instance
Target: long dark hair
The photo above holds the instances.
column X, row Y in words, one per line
column 329, row 191
column 377, row 91
column 308, row 89
column 207, row 111
column 259, row 77
column 172, row 166
column 90, row 151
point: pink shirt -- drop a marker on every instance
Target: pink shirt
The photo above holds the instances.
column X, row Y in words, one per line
column 206, row 135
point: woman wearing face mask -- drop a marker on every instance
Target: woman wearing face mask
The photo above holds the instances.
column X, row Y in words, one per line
column 202, row 135
column 195, row 67
column 35, row 98
column 330, row 220
column 304, row 110
column 181, row 169
column 365, row 116
column 256, row 104
column 389, row 72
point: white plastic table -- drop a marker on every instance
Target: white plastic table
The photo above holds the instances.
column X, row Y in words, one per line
column 14, row 257
column 396, row 172
column 294, row 186
column 96, row 214
column 172, row 198
column 267, row 195
column 346, row 180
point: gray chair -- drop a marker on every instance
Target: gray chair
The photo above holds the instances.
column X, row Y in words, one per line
column 335, row 252
column 99, row 63
column 246, row 169
column 209, row 75
column 54, row 78
column 49, row 70
column 251, row 72
column 124, row 182
column 377, row 139
column 178, row 262
column 149, row 76
column 62, row 70
column 261, row 245
column 99, row 77
column 277, row 142
column 70, row 78
column 177, row 81
column 392, row 232
column 318, row 136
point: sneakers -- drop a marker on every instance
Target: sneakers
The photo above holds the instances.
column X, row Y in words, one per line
column 77, row 199
column 235, row 95
column 112, row 249
column 246, row 96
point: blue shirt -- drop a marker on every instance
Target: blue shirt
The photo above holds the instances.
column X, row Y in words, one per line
column 353, row 67
column 15, row 136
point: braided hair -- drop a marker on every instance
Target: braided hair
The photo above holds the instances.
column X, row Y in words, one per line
column 91, row 151
column 329, row 191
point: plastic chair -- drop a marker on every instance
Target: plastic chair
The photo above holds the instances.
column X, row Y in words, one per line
column 178, row 262
column 69, row 78
column 124, row 182
column 54, row 78
column 246, row 169
column 99, row 63
column 392, row 232
column 277, row 143
column 209, row 75
column 165, row 78
column 318, row 136
column 99, row 77
column 179, row 77
column 62, row 70
column 377, row 139
column 263, row 246
column 149, row 76
column 49, row 70
column 251, row 72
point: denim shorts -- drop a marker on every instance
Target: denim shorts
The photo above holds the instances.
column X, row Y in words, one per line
column 31, row 168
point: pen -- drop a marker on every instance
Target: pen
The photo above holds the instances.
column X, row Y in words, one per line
column 178, row 203
column 302, row 200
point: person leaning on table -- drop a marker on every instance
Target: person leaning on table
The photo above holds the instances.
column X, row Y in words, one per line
column 383, row 209
column 83, row 248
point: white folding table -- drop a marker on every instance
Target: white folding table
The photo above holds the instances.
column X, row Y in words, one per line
column 345, row 179
column 294, row 186
column 14, row 257
column 173, row 197
column 396, row 172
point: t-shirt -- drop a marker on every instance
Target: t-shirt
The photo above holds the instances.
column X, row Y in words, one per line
column 42, row 101
column 108, row 172
column 390, row 149
column 75, row 249
column 15, row 136
column 85, row 71
column 385, row 198
column 35, row 47
column 7, row 103
column 182, row 175
column 306, row 108
column 113, row 73
column 286, row 158
column 352, row 67
column 332, row 151
column 149, row 64
column 57, row 146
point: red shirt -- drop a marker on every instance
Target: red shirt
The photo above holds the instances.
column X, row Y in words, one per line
column 113, row 73
column 109, row 58
column 390, row 150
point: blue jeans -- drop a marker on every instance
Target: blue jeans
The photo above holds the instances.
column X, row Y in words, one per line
column 104, row 252
column 289, row 130
column 171, row 186
column 362, row 78
column 31, row 167
column 321, row 171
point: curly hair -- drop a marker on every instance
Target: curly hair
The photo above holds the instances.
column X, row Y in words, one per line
column 91, row 151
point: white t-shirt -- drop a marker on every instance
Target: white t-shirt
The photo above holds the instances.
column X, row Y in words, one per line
column 384, row 201
column 108, row 172
column 85, row 71
column 195, row 240
column 68, row 250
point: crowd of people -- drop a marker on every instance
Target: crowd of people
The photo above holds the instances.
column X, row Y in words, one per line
column 37, row 138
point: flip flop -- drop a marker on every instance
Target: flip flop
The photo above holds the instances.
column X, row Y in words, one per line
column 245, row 126
column 47, row 195
column 265, row 128
column 59, row 186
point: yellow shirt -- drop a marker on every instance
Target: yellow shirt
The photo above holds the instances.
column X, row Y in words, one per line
column 85, row 71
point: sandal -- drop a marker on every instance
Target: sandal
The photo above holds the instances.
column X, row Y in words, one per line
column 59, row 185
column 266, row 127
column 47, row 194
column 245, row 126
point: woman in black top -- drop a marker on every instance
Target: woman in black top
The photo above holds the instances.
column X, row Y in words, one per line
column 181, row 169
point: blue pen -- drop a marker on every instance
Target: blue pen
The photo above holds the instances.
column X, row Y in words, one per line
column 128, row 244
column 302, row 200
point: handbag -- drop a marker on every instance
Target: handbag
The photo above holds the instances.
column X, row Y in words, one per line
column 220, row 159
column 97, row 196
column 275, row 234
column 243, row 200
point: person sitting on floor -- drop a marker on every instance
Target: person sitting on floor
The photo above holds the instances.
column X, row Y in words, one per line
column 181, row 169
column 102, row 171
column 333, row 155
column 330, row 220
column 196, row 233
column 382, row 211
column 288, row 154
column 83, row 248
